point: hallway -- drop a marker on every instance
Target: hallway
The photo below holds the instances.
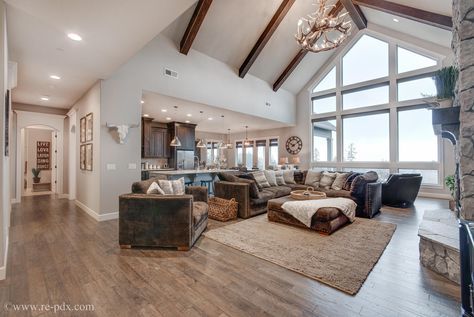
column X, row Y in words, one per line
column 58, row 254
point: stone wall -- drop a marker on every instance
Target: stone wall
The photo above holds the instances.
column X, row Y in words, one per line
column 463, row 46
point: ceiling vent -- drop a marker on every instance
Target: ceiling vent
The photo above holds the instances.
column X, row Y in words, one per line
column 170, row 73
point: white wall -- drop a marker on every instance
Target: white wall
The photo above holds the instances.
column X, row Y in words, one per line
column 4, row 162
column 88, row 182
column 201, row 79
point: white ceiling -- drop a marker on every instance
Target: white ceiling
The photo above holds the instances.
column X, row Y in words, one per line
column 112, row 32
column 236, row 121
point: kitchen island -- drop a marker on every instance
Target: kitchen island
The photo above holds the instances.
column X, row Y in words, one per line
column 191, row 176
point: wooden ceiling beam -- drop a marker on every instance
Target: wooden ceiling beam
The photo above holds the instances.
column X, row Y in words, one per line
column 355, row 13
column 194, row 24
column 301, row 54
column 433, row 19
column 265, row 36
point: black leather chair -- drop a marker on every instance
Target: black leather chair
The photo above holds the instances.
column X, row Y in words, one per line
column 400, row 190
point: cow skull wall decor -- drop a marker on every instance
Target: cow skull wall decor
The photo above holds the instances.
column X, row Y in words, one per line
column 122, row 130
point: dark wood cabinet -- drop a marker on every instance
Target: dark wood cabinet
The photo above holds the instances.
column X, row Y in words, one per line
column 155, row 139
column 186, row 134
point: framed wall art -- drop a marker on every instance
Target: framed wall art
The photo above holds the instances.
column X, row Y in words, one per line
column 89, row 127
column 89, row 157
column 43, row 149
column 82, row 158
column 83, row 129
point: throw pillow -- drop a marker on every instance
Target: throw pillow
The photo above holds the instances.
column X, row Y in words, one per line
column 228, row 177
column 349, row 179
column 252, row 184
column 289, row 177
column 279, row 178
column 155, row 189
column 339, row 181
column 166, row 186
column 327, row 179
column 313, row 178
column 178, row 186
column 261, row 180
column 271, row 177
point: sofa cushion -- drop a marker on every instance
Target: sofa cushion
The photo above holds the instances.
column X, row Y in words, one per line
column 336, row 193
column 200, row 212
column 327, row 179
column 263, row 196
column 271, row 177
column 298, row 186
column 279, row 178
column 227, row 177
column 142, row 186
column 357, row 186
column 173, row 187
column 252, row 185
column 339, row 181
column 289, row 177
column 279, row 191
column 349, row 179
column 155, row 189
column 313, row 178
column 261, row 180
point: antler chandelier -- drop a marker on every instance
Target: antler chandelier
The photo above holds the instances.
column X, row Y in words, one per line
column 322, row 30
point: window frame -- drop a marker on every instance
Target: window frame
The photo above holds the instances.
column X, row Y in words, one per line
column 255, row 150
column 392, row 106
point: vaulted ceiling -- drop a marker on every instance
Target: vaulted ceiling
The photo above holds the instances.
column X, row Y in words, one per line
column 114, row 30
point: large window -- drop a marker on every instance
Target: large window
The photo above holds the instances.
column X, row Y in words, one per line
column 212, row 152
column 239, row 154
column 249, row 154
column 366, row 138
column 273, row 152
column 261, row 145
column 373, row 116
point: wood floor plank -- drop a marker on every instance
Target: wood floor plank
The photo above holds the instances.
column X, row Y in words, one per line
column 59, row 254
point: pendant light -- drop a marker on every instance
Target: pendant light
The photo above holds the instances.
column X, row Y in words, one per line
column 201, row 143
column 229, row 144
column 246, row 142
column 175, row 142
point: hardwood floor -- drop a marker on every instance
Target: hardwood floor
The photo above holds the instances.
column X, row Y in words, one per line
column 58, row 255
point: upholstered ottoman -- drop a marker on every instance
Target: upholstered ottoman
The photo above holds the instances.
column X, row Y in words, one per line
column 326, row 220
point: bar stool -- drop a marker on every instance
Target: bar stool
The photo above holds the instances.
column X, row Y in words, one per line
column 192, row 178
column 209, row 184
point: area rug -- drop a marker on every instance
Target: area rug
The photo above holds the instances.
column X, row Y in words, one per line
column 342, row 260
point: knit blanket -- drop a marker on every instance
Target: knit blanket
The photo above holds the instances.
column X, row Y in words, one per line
column 304, row 210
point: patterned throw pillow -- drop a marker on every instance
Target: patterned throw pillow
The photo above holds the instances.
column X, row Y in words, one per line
column 174, row 187
column 327, row 179
column 261, row 180
column 289, row 177
column 279, row 178
column 339, row 181
column 349, row 179
column 313, row 178
column 155, row 189
column 271, row 177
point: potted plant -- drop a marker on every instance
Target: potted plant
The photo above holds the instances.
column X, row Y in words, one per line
column 445, row 81
column 36, row 172
column 450, row 182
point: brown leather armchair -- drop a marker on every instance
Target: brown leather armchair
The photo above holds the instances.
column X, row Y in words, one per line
column 162, row 220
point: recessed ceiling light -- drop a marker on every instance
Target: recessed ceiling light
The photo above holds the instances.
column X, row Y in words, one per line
column 396, row 20
column 209, row 118
column 189, row 115
column 74, row 37
column 187, row 121
column 142, row 102
column 54, row 77
column 146, row 115
column 44, row 98
column 164, row 110
column 168, row 118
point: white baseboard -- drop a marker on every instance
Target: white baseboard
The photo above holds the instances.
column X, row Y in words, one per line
column 3, row 269
column 435, row 195
column 63, row 196
column 14, row 201
column 95, row 215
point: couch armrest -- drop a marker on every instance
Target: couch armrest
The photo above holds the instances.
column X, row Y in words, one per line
column 373, row 199
column 199, row 193
column 239, row 191
column 161, row 220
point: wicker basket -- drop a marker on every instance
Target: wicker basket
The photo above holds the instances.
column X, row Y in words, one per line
column 222, row 209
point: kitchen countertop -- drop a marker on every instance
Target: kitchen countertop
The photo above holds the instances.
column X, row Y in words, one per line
column 157, row 169
column 186, row 172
